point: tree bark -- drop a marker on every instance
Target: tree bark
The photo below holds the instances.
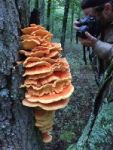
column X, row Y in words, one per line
column 42, row 12
column 72, row 21
column 66, row 10
column 53, row 14
column 37, row 4
column 48, row 14
column 17, row 131
column 101, row 135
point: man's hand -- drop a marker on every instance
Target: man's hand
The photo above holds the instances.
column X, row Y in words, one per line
column 76, row 23
column 89, row 41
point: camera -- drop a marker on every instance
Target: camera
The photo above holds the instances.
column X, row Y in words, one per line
column 89, row 24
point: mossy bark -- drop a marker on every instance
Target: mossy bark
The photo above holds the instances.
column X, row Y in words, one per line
column 17, row 131
column 101, row 136
column 98, row 133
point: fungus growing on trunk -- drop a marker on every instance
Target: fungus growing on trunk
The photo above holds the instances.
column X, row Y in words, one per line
column 47, row 77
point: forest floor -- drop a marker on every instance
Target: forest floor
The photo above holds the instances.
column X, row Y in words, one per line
column 70, row 121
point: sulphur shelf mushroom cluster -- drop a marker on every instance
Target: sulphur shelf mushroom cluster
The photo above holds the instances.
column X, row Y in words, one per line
column 47, row 77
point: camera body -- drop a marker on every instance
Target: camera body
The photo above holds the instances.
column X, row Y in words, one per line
column 89, row 24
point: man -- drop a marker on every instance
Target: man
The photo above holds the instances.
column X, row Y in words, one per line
column 103, row 11
column 88, row 11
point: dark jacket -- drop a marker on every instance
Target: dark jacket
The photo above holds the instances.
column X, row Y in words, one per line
column 104, row 50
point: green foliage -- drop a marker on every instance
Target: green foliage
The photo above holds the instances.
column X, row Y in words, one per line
column 58, row 16
column 67, row 136
column 57, row 12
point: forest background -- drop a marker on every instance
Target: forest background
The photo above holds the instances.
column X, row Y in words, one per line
column 76, row 127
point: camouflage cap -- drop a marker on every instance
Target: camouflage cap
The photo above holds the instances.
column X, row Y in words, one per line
column 93, row 3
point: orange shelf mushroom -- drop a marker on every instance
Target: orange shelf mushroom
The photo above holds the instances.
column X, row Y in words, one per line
column 47, row 77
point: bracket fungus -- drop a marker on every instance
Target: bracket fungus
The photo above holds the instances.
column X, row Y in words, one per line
column 47, row 77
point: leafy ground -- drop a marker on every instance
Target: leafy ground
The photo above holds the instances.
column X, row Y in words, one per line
column 70, row 121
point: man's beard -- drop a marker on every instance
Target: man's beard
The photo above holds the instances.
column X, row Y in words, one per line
column 104, row 23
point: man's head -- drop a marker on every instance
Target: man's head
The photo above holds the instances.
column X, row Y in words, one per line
column 88, row 11
column 101, row 9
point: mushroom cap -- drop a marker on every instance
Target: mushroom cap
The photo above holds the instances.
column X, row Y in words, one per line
column 29, row 37
column 55, row 46
column 41, row 54
column 49, row 77
column 41, row 48
column 60, row 64
column 29, row 30
column 33, row 54
column 47, row 37
column 36, row 59
column 38, row 70
column 44, row 118
column 49, row 60
column 46, row 138
column 56, row 86
column 45, row 128
column 40, row 51
column 25, row 37
column 42, row 33
column 39, row 76
column 52, row 46
column 38, row 63
column 49, row 107
column 34, row 25
column 35, row 91
column 52, row 81
column 49, row 98
column 44, row 122
column 53, row 54
column 30, row 43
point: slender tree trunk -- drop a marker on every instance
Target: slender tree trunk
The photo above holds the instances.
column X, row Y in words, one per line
column 35, row 14
column 17, row 131
column 72, row 21
column 42, row 11
column 53, row 13
column 48, row 14
column 66, row 10
column 37, row 4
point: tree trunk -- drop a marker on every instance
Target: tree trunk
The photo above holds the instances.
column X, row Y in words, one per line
column 53, row 14
column 35, row 14
column 66, row 10
column 37, row 4
column 17, row 131
column 72, row 21
column 98, row 133
column 48, row 14
column 42, row 11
